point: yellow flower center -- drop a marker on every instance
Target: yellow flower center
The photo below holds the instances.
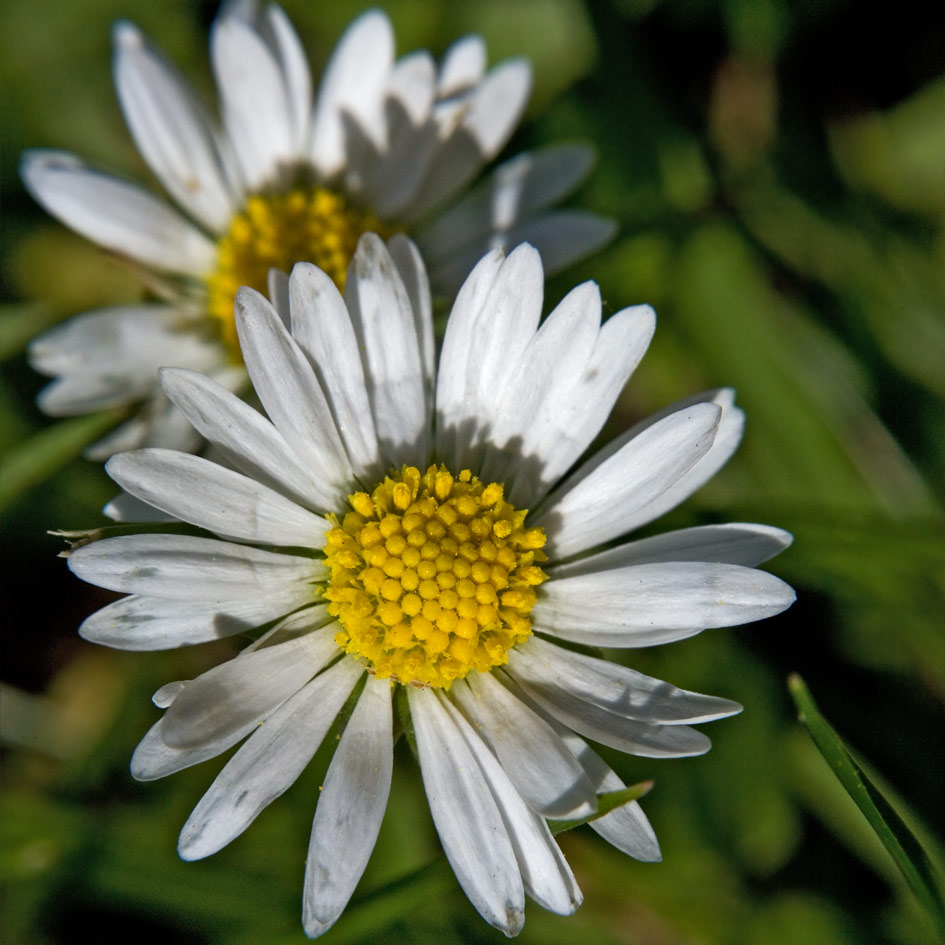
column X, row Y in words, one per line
column 276, row 231
column 432, row 576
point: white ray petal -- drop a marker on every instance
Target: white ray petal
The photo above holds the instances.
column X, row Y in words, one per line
column 322, row 327
column 159, row 623
column 546, row 876
column 296, row 74
column 268, row 763
column 410, row 266
column 246, row 439
column 511, row 193
column 115, row 214
column 628, row 735
column 257, row 112
column 486, row 332
column 552, row 359
column 188, row 568
column 542, row 769
column 451, row 383
column 171, row 128
column 352, row 84
column 626, row 827
column 645, row 604
column 386, row 329
column 124, row 339
column 290, row 393
column 350, row 809
column 486, row 118
column 551, row 670
column 730, row 543
column 245, row 690
column 602, row 500
column 462, row 67
column 153, row 758
column 467, row 818
column 207, row 495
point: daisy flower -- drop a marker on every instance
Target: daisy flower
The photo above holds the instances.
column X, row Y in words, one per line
column 426, row 537
column 388, row 146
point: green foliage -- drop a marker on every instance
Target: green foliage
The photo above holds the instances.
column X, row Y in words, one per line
column 899, row 841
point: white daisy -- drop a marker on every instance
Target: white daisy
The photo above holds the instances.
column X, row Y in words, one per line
column 388, row 146
column 375, row 527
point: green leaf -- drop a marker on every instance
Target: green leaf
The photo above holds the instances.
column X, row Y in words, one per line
column 21, row 323
column 905, row 849
column 606, row 802
column 46, row 452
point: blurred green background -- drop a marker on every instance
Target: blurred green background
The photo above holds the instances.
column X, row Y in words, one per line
column 778, row 172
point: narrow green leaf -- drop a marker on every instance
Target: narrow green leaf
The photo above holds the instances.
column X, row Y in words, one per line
column 605, row 804
column 906, row 851
column 19, row 324
column 46, row 452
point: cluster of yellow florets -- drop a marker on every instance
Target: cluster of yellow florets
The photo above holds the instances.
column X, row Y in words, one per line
column 432, row 576
column 277, row 231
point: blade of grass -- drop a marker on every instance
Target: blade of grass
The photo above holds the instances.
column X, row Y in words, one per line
column 906, row 851
column 46, row 452
column 605, row 804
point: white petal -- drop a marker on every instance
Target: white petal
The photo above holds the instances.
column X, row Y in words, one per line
column 256, row 108
column 111, row 357
column 352, row 84
column 462, row 66
column 154, row 759
column 386, row 329
column 247, row 440
column 302, row 622
column 296, row 74
column 207, row 495
column 188, row 568
column 645, row 604
column 155, row 623
column 115, row 214
column 290, row 392
column 563, row 236
column 389, row 175
column 410, row 266
column 171, row 128
column 350, row 809
column 540, row 766
column 468, row 821
column 124, row 340
column 245, row 690
column 126, row 508
column 626, row 827
column 277, row 289
column 546, row 876
column 269, row 763
column 322, row 327
column 411, row 85
column 513, row 192
column 488, row 116
column 628, row 735
column 727, row 438
column 563, row 674
column 486, row 332
column 451, row 384
column 553, row 357
column 732, row 543
column 603, row 500
column 168, row 693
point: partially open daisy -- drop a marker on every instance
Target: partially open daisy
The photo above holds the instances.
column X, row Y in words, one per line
column 388, row 147
column 397, row 527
